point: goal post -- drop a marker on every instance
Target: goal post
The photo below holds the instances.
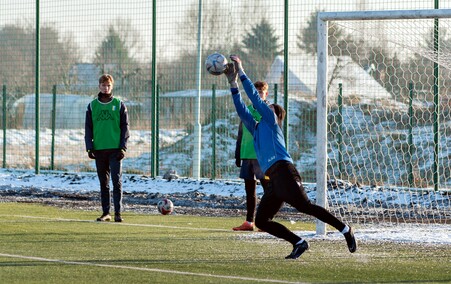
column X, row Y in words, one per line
column 402, row 48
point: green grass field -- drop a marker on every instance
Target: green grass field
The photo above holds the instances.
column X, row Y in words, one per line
column 43, row 244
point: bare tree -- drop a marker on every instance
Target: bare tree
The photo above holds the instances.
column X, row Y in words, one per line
column 215, row 28
column 18, row 57
column 58, row 55
column 179, row 71
column 16, row 54
column 117, row 54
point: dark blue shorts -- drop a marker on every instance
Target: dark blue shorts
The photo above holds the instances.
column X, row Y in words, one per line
column 250, row 169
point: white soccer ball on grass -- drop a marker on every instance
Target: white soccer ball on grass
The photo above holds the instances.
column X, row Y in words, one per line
column 165, row 206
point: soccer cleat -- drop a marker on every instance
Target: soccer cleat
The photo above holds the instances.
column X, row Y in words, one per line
column 298, row 250
column 246, row 226
column 350, row 240
column 104, row 218
column 118, row 217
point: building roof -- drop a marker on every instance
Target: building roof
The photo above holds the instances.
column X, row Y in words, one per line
column 302, row 77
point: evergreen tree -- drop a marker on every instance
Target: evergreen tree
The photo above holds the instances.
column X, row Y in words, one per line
column 260, row 47
column 113, row 57
column 339, row 43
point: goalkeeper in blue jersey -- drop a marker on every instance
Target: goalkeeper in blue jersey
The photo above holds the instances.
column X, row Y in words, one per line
column 106, row 136
column 285, row 183
column 245, row 158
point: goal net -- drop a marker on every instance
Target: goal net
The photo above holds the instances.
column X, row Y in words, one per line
column 384, row 156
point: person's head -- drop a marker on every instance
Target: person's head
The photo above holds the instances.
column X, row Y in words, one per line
column 262, row 88
column 279, row 111
column 106, row 84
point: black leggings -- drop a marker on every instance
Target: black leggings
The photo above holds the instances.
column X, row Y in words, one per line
column 250, row 186
column 285, row 185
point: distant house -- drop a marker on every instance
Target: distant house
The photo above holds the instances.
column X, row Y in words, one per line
column 84, row 77
column 302, row 77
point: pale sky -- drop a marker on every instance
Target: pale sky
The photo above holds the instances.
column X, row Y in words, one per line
column 86, row 20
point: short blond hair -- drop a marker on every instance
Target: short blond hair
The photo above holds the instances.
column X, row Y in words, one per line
column 261, row 85
column 106, row 78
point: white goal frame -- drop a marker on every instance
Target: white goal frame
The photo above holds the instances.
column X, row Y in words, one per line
column 321, row 87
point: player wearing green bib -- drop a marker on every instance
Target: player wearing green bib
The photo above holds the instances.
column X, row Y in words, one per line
column 106, row 136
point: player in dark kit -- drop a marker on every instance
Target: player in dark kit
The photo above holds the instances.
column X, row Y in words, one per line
column 285, row 183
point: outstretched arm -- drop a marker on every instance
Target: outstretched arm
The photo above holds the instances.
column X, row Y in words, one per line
column 260, row 105
column 243, row 112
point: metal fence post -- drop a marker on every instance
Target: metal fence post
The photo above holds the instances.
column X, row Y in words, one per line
column 4, row 126
column 52, row 150
column 213, row 132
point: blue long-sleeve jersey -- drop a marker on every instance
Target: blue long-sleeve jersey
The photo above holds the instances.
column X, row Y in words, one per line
column 268, row 137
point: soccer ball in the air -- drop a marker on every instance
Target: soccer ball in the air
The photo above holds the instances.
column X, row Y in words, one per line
column 165, row 206
column 216, row 63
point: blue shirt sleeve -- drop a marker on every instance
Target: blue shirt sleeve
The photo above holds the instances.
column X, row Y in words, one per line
column 260, row 105
column 243, row 112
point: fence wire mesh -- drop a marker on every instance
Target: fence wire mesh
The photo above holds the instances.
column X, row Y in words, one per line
column 81, row 40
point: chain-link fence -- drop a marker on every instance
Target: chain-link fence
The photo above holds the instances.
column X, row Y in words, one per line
column 79, row 40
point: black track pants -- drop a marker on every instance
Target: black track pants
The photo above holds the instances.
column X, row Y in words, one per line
column 285, row 185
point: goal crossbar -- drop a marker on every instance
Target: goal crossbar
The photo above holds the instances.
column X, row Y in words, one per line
column 322, row 75
column 385, row 15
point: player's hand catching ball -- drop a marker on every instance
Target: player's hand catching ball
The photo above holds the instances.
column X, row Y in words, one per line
column 232, row 75
column 237, row 61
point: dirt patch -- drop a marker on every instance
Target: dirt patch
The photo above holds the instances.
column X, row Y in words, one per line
column 191, row 203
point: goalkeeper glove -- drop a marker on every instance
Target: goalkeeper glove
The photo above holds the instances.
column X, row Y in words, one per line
column 231, row 74
column 238, row 66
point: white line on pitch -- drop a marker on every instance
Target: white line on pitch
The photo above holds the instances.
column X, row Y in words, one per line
column 122, row 224
column 146, row 269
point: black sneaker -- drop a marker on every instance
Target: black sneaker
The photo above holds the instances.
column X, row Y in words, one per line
column 118, row 217
column 350, row 240
column 298, row 250
column 104, row 218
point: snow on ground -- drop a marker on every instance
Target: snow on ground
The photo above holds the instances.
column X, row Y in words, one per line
column 399, row 233
column 432, row 234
